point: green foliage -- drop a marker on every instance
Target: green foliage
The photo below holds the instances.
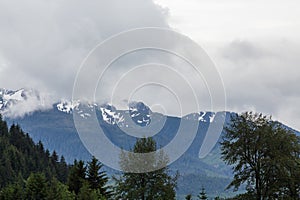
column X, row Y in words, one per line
column 86, row 192
column 58, row 190
column 77, row 176
column 188, row 197
column 45, row 174
column 21, row 156
column 246, row 196
column 88, row 180
column 156, row 184
column 14, row 191
column 96, row 178
column 264, row 155
column 62, row 170
column 36, row 186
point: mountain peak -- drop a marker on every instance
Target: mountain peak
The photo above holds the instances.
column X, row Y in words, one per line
column 17, row 103
column 9, row 98
column 140, row 113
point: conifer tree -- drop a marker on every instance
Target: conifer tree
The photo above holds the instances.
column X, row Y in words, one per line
column 36, row 186
column 57, row 190
column 146, row 186
column 96, row 178
column 62, row 170
column 202, row 195
column 77, row 176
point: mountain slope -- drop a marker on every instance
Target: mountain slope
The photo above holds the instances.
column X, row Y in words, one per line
column 56, row 129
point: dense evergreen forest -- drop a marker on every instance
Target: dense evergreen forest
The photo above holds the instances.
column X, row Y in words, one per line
column 20, row 157
column 28, row 171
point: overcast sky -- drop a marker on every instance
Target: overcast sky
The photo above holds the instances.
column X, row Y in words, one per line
column 256, row 47
column 254, row 44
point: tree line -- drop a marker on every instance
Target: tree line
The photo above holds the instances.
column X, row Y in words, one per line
column 28, row 171
column 264, row 156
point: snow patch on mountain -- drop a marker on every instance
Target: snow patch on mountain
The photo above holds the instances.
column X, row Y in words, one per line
column 15, row 96
column 201, row 116
column 212, row 117
column 67, row 106
column 140, row 113
column 110, row 115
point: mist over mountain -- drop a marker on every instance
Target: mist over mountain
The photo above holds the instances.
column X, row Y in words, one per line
column 23, row 101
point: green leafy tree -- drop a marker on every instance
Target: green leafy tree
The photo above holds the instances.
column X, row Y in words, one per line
column 202, row 194
column 156, row 184
column 264, row 155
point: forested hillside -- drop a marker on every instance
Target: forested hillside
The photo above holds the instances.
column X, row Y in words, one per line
column 20, row 156
column 28, row 171
column 251, row 141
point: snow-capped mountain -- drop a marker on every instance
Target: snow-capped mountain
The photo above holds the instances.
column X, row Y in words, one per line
column 54, row 126
column 20, row 102
column 140, row 113
column 25, row 101
column 9, row 98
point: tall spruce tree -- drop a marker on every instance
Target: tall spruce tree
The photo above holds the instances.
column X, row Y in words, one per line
column 151, row 185
column 77, row 176
column 62, row 170
column 96, row 178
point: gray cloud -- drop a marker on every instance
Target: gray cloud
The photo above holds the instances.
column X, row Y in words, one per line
column 263, row 75
column 42, row 43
